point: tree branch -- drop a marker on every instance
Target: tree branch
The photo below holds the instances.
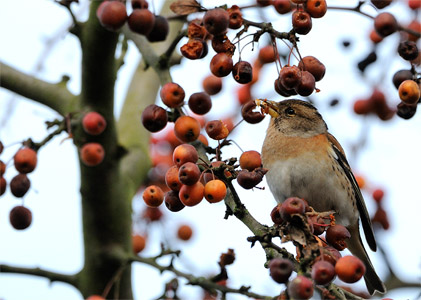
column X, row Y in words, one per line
column 54, row 95
column 203, row 282
column 142, row 91
column 52, row 276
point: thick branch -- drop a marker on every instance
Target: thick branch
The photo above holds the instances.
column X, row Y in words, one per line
column 142, row 92
column 52, row 276
column 54, row 95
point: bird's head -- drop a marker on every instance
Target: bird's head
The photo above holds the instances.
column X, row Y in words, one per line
column 293, row 117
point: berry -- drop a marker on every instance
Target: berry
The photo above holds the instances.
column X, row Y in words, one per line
column 171, row 178
column 300, row 287
column 375, row 37
column 400, row 76
column 185, row 153
column 216, row 130
column 172, row 201
column 409, row 91
column 112, row 15
column 212, row 85
column 2, row 168
column 406, row 111
column 282, row 6
column 280, row 269
column 152, row 214
column 349, row 269
column 250, row 160
column 139, row 4
column 235, row 17
column 141, row 21
column 25, row 160
column 154, row 118
column 267, row 54
column 191, row 195
column 249, row 180
column 322, row 272
column 200, row 103
column 95, row 297
column 221, row 65
column 385, row 24
column 172, row 94
column 408, row 50
column 381, row 3
column 184, row 232
column 153, row 196
column 216, row 21
column 138, row 242
column 290, row 77
column 381, row 218
column 3, row 185
column 92, row 154
column 187, row 129
column 189, row 173
column 94, row 123
column 249, row 115
column 275, row 215
column 378, row 195
column 20, row 217
column 159, row 30
column 307, row 84
column 301, row 22
column 316, row 8
column 337, row 236
column 194, row 49
column 292, row 206
column 19, row 185
column 215, row 191
column 314, row 66
column 329, row 254
column 242, row 72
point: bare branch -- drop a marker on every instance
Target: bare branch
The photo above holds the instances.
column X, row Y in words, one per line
column 52, row 276
column 54, row 95
column 203, row 282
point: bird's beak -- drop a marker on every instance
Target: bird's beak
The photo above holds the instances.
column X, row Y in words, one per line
column 268, row 107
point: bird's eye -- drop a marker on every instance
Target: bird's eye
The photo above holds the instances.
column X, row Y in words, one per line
column 290, row 111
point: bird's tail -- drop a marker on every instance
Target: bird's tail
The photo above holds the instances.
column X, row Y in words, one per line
column 372, row 280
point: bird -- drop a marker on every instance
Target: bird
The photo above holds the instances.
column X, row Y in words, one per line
column 304, row 160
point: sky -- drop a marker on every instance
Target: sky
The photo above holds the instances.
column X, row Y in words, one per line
column 389, row 159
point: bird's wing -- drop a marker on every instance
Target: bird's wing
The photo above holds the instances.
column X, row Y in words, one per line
column 362, row 209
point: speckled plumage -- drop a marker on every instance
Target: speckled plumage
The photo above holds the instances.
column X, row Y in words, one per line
column 306, row 161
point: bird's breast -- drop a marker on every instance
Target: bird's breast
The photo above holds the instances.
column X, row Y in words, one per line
column 305, row 168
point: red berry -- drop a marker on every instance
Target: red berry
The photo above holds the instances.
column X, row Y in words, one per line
column 280, row 269
column 112, row 15
column 92, row 154
column 350, row 269
column 25, row 160
column 322, row 272
column 385, row 24
column 154, row 118
column 216, row 21
column 94, row 123
column 292, row 206
column 189, row 173
column 378, row 195
column 300, row 287
column 172, row 94
column 153, row 196
column 337, row 236
column 141, row 21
